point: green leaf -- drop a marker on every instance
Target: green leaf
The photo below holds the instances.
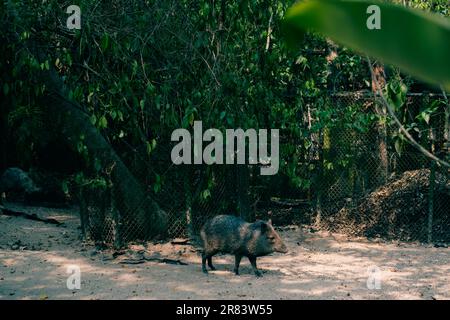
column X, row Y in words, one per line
column 89, row 97
column 415, row 41
column 105, row 42
column 150, row 146
column 65, row 187
column 396, row 93
column 93, row 119
column 206, row 194
column 5, row 88
column 398, row 146
column 157, row 184
column 102, row 122
column 97, row 165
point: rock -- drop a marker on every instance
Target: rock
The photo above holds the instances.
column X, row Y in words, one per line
column 180, row 241
column 17, row 180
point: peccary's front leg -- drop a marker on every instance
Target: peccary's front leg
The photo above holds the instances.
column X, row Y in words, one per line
column 204, row 262
column 255, row 269
column 237, row 261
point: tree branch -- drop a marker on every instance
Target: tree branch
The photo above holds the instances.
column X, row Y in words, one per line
column 400, row 125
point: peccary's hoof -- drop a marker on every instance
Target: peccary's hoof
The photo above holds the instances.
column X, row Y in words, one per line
column 213, row 268
column 258, row 274
column 205, row 271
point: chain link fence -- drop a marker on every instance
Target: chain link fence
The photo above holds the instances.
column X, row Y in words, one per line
column 187, row 194
column 366, row 182
column 385, row 188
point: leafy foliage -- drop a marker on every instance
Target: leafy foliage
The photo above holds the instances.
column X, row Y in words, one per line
column 411, row 39
column 141, row 69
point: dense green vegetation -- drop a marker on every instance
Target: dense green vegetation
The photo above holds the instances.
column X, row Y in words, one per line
column 140, row 69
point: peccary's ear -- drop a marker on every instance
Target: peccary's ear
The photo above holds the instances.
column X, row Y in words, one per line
column 264, row 227
column 269, row 222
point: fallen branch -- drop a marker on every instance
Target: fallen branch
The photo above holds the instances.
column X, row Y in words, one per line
column 154, row 259
column 166, row 260
column 30, row 216
column 288, row 202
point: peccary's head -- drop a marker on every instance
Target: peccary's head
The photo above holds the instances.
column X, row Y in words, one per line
column 269, row 240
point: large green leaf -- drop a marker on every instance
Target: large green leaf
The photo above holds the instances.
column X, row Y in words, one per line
column 418, row 42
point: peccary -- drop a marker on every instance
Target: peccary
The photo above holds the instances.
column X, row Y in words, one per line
column 17, row 180
column 229, row 234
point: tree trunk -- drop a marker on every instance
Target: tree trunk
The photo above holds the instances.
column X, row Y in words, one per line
column 140, row 214
column 381, row 173
column 378, row 82
column 3, row 131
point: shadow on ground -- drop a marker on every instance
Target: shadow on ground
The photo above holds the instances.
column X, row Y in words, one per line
column 318, row 266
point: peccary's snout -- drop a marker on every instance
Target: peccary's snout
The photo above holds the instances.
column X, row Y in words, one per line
column 282, row 248
column 275, row 240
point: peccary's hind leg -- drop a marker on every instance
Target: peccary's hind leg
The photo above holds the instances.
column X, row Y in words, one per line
column 237, row 261
column 210, row 263
column 255, row 269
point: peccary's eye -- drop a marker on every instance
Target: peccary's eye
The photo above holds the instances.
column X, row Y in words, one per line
column 271, row 238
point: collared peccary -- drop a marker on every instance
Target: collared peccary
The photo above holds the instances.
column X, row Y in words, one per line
column 229, row 234
column 17, row 180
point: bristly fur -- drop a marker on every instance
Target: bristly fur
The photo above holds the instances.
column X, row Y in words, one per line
column 229, row 234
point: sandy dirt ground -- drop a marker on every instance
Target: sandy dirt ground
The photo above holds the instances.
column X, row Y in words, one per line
column 35, row 256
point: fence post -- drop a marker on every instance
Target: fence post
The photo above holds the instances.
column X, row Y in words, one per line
column 83, row 213
column 447, row 128
column 432, row 183
column 319, row 179
column 242, row 189
column 431, row 201
column 188, row 202
column 116, row 218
